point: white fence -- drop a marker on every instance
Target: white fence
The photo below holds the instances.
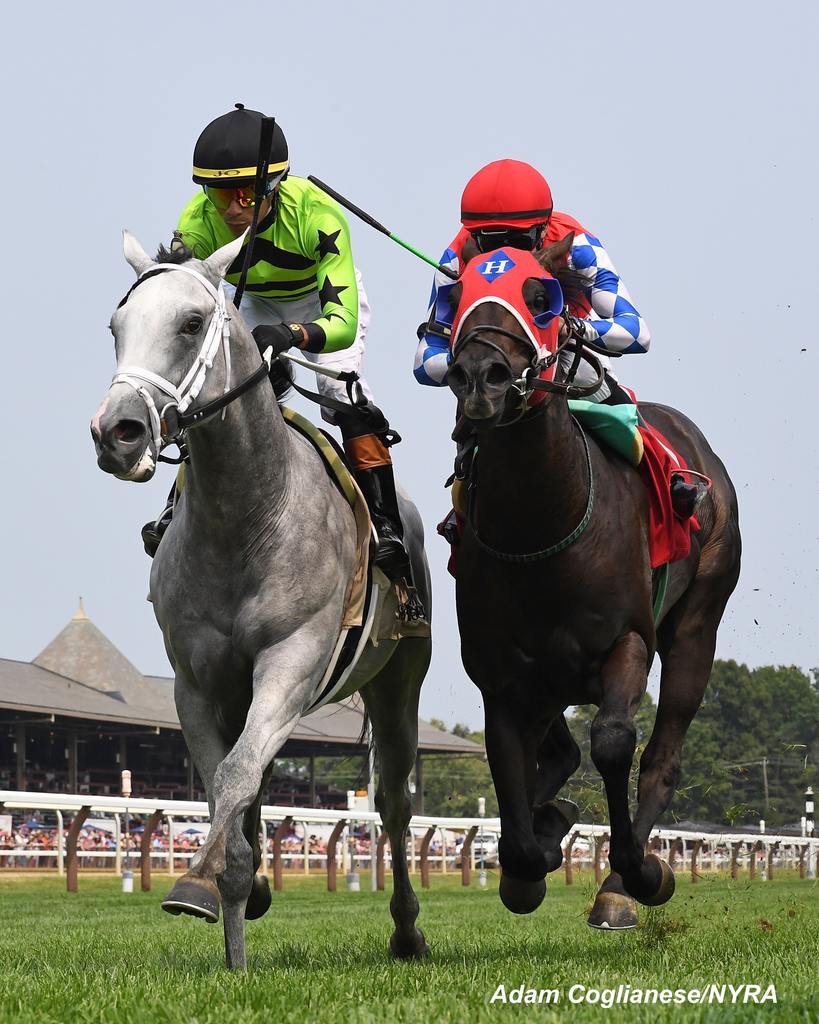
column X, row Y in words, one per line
column 703, row 850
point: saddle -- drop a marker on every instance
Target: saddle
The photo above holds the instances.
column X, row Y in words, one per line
column 372, row 609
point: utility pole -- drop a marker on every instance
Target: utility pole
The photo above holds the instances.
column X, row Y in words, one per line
column 765, row 781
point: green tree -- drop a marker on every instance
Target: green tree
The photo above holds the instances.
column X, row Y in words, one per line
column 454, row 782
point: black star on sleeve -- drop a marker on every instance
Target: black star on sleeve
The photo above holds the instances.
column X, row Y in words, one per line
column 327, row 243
column 329, row 293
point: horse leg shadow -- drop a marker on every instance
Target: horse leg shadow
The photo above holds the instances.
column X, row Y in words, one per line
column 391, row 699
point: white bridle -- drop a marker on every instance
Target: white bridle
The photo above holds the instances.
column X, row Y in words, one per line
column 183, row 394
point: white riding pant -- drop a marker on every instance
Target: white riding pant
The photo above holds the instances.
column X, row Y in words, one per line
column 257, row 309
column 587, row 375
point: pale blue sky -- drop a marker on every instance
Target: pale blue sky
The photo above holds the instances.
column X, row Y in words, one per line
column 684, row 138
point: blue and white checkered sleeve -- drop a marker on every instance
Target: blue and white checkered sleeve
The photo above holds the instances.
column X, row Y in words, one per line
column 614, row 321
column 432, row 355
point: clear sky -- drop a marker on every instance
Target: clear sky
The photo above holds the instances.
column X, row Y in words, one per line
column 683, row 135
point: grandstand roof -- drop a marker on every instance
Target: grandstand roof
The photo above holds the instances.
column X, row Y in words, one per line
column 82, row 675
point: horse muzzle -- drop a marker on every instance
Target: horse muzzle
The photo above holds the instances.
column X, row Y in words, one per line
column 481, row 387
column 121, row 431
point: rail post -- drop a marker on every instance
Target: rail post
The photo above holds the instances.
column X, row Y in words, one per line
column 382, row 841
column 772, row 848
column 278, row 835
column 71, row 848
column 696, row 846
column 599, row 842
column 430, row 832
column 466, row 856
column 567, row 858
column 338, row 828
column 145, row 850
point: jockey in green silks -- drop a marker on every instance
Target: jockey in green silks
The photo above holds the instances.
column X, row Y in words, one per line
column 303, row 291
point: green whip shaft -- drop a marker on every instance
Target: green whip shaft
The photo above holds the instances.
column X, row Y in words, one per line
column 446, row 271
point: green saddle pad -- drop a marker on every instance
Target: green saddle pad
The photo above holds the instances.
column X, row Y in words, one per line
column 613, row 425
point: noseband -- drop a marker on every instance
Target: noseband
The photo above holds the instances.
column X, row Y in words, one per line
column 530, row 380
column 168, row 424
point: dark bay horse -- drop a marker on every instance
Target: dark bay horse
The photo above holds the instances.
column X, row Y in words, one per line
column 545, row 627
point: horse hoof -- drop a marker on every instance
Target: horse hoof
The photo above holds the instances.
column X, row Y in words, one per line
column 413, row 947
column 521, row 897
column 196, row 896
column 258, row 903
column 613, row 911
column 667, row 884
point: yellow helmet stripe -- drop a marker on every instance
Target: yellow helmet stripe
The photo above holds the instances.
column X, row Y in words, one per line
column 236, row 172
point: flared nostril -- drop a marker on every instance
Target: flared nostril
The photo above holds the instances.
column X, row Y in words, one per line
column 128, row 431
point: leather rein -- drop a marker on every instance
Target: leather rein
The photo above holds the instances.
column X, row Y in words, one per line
column 523, row 387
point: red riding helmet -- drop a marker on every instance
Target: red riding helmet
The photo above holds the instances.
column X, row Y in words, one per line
column 506, row 193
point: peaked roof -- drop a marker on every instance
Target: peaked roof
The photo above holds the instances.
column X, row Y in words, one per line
column 81, row 674
column 83, row 653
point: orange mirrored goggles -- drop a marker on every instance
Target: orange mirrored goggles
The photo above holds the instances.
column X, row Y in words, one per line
column 221, row 198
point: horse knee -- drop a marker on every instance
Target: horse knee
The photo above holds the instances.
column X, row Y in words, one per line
column 613, row 741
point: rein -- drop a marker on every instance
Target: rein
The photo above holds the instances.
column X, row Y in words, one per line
column 523, row 387
column 553, row 549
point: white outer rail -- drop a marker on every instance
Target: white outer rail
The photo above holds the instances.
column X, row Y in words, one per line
column 61, row 802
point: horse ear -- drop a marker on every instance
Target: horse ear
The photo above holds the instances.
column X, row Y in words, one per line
column 554, row 256
column 218, row 262
column 469, row 251
column 134, row 253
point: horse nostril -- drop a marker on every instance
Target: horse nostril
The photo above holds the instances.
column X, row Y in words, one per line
column 498, row 374
column 129, row 431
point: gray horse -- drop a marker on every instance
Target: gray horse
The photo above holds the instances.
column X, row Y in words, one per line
column 250, row 581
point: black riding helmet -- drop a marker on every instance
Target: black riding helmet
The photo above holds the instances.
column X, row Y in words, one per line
column 226, row 152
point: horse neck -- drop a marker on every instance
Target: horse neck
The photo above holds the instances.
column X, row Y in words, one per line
column 241, row 460
column 534, row 475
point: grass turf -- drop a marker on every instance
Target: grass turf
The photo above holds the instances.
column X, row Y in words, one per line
column 101, row 956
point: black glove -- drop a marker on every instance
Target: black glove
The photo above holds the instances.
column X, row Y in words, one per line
column 279, row 336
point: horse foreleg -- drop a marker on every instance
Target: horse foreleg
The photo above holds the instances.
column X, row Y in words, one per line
column 392, row 702
column 193, row 894
column 280, row 684
column 558, row 758
column 511, row 751
column 613, row 740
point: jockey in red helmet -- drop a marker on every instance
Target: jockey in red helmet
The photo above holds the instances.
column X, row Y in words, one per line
column 509, row 203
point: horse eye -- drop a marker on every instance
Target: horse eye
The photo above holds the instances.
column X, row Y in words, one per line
column 193, row 325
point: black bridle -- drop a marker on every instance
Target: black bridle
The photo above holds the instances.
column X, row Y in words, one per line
column 523, row 387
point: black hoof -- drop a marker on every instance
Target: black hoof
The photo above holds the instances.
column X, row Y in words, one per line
column 521, row 897
column 613, row 911
column 665, row 890
column 258, row 903
column 196, row 896
column 409, row 948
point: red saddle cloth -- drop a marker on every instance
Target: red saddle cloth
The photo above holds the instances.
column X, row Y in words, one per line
column 669, row 537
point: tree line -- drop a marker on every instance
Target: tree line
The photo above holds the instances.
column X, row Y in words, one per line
column 749, row 754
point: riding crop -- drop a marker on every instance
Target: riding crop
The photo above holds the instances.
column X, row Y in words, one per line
column 446, row 271
column 265, row 142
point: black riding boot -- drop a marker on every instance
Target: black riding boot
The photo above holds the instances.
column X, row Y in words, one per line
column 153, row 532
column 367, row 438
column 378, row 487
column 686, row 498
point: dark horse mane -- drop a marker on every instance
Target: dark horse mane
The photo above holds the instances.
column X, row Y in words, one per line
column 281, row 374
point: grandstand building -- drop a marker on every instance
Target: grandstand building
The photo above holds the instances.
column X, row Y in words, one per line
column 78, row 714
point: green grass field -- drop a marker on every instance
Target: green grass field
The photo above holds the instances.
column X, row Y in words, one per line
column 101, row 956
